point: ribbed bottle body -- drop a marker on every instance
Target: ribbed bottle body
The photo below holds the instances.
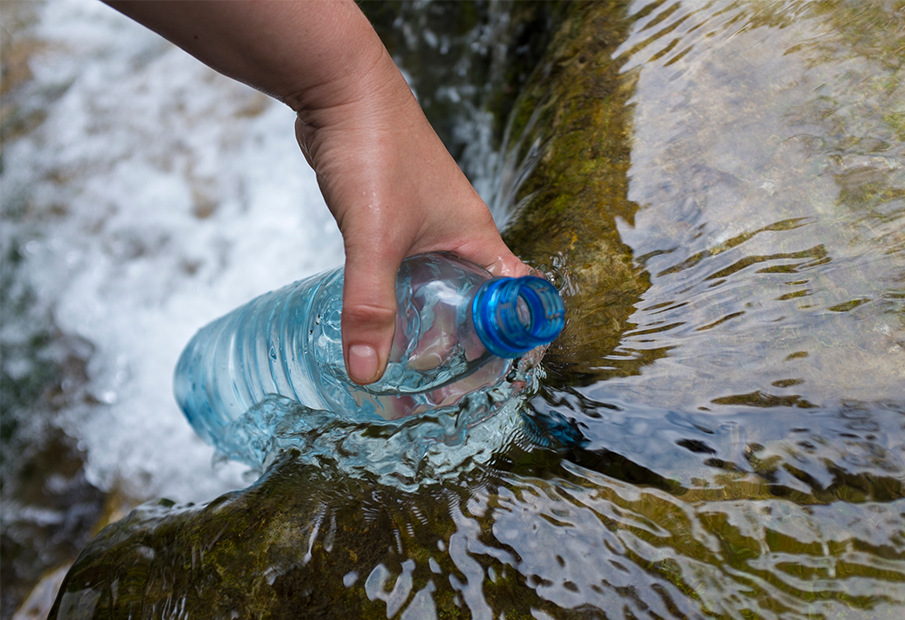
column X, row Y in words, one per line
column 258, row 349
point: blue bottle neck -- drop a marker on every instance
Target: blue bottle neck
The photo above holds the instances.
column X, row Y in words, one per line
column 514, row 315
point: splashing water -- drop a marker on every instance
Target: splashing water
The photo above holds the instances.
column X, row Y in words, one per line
column 154, row 197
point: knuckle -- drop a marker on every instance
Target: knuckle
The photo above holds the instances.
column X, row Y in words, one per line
column 368, row 316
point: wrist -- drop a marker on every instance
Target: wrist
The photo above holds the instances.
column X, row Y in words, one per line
column 348, row 58
column 364, row 81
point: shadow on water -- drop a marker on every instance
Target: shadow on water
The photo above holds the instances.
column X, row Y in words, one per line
column 719, row 189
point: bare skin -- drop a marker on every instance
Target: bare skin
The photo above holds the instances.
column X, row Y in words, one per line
column 386, row 177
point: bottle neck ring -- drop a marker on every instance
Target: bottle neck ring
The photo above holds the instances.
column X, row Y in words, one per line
column 514, row 315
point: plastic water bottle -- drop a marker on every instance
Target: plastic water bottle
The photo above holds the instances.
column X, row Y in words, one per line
column 457, row 329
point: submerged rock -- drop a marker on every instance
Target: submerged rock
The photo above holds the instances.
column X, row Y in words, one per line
column 525, row 534
column 293, row 542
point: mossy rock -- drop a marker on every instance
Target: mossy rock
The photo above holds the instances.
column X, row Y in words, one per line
column 260, row 552
column 569, row 141
column 308, row 542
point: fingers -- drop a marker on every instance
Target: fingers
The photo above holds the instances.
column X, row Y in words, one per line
column 369, row 311
column 395, row 192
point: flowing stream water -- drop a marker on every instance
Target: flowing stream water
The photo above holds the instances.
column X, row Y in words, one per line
column 741, row 451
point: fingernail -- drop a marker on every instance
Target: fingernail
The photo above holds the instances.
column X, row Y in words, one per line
column 362, row 363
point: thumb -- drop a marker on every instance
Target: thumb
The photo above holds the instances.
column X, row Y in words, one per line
column 369, row 312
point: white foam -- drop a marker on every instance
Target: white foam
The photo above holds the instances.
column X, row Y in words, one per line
column 157, row 196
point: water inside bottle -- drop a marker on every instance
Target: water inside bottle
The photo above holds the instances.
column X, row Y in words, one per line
column 523, row 311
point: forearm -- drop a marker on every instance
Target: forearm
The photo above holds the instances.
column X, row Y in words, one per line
column 307, row 54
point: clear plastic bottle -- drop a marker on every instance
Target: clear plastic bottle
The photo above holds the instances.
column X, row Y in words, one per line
column 457, row 329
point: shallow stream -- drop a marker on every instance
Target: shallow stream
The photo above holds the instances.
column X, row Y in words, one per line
column 739, row 451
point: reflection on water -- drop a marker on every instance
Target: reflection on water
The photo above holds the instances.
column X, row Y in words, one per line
column 752, row 466
column 529, row 535
column 768, row 166
column 768, row 169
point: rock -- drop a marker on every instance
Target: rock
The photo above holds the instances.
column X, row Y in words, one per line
column 565, row 183
column 301, row 541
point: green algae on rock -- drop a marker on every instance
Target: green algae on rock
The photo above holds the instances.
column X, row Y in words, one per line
column 564, row 185
column 295, row 542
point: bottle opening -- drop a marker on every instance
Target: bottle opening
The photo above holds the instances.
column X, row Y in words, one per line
column 514, row 315
column 524, row 312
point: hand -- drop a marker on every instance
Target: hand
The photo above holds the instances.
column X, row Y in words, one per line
column 395, row 191
column 388, row 180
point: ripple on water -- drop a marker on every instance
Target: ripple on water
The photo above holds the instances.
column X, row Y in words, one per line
column 572, row 541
